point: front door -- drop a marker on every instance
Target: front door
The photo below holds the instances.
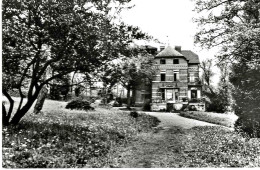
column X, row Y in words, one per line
column 194, row 94
column 171, row 95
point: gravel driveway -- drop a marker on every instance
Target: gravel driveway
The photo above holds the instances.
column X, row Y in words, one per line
column 173, row 119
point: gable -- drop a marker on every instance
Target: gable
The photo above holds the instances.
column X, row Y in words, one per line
column 169, row 52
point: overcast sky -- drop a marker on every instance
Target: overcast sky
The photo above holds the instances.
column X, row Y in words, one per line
column 170, row 21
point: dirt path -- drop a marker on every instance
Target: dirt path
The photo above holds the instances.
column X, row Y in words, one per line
column 173, row 119
column 159, row 149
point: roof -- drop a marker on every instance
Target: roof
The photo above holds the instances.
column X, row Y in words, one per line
column 169, row 52
column 191, row 56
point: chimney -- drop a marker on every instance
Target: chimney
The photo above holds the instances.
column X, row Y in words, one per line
column 178, row 48
column 162, row 48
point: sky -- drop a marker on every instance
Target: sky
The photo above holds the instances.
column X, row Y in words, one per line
column 170, row 21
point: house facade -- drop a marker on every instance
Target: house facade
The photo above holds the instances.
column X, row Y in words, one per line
column 176, row 81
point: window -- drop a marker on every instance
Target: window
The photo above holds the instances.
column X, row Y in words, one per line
column 194, row 94
column 162, row 61
column 162, row 77
column 176, row 61
column 163, row 94
column 175, row 76
column 192, row 78
column 176, row 95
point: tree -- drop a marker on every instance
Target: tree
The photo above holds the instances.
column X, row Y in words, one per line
column 59, row 88
column 136, row 70
column 206, row 66
column 234, row 27
column 63, row 36
column 219, row 98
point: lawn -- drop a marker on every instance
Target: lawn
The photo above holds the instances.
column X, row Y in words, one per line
column 62, row 138
column 205, row 146
column 227, row 120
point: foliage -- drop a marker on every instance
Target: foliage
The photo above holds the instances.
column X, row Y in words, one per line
column 247, row 95
column 207, row 66
column 59, row 89
column 58, row 37
column 134, row 114
column 220, row 97
column 60, row 138
column 234, row 26
column 211, row 117
column 79, row 105
column 218, row 101
column 135, row 71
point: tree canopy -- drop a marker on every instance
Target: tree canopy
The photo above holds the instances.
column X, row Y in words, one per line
column 63, row 36
column 234, row 26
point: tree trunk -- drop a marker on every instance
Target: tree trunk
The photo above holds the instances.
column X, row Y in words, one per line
column 5, row 121
column 6, row 116
column 19, row 115
column 128, row 97
column 40, row 100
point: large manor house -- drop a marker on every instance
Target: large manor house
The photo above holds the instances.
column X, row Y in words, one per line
column 176, row 81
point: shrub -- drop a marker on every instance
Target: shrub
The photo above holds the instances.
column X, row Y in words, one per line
column 192, row 108
column 134, row 114
column 249, row 123
column 79, row 105
column 185, row 107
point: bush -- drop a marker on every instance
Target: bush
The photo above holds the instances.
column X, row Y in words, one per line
column 192, row 108
column 249, row 123
column 185, row 107
column 79, row 105
column 218, row 102
column 134, row 114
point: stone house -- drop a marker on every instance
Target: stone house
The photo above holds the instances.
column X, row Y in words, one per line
column 175, row 83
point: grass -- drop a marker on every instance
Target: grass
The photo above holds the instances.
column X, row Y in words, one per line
column 216, row 118
column 204, row 146
column 62, row 138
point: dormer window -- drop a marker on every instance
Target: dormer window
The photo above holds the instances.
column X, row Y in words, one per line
column 162, row 61
column 175, row 61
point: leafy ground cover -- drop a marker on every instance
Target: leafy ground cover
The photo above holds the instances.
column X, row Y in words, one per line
column 197, row 147
column 62, row 138
column 216, row 118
